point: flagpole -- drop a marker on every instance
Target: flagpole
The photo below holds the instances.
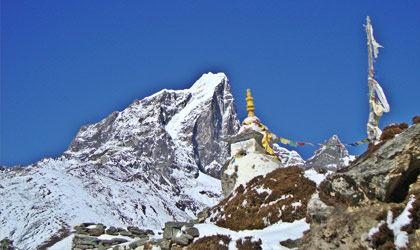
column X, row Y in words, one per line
column 372, row 125
column 375, row 108
column 370, row 57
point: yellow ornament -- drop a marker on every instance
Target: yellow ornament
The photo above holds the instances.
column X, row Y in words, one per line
column 249, row 104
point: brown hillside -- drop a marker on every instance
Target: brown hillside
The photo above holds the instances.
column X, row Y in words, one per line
column 281, row 195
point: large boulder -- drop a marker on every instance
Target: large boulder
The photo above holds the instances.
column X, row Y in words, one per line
column 375, row 202
column 383, row 173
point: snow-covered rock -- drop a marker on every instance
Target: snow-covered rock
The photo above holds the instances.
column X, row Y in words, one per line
column 142, row 166
column 330, row 157
column 288, row 157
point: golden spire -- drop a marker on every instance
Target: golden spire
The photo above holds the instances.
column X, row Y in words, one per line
column 249, row 104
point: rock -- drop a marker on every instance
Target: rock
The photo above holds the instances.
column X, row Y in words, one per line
column 343, row 229
column 317, row 211
column 201, row 216
column 164, row 244
column 291, row 243
column 149, row 232
column 136, row 231
column 374, row 187
column 170, row 233
column 179, row 225
column 183, row 241
column 106, row 243
column 383, row 175
column 96, row 231
column 193, row 232
column 117, row 241
column 288, row 158
column 111, row 231
column 126, row 233
column 81, row 240
column 138, row 242
column 329, row 158
column 80, row 229
column 187, row 236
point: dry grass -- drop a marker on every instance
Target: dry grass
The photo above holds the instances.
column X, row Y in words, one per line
column 383, row 239
column 391, row 130
column 214, row 242
column 416, row 120
column 248, row 244
column 61, row 234
column 281, row 195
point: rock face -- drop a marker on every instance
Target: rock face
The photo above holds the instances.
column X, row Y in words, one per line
column 329, row 158
column 168, row 128
column 375, row 203
column 142, row 166
column 384, row 175
column 287, row 157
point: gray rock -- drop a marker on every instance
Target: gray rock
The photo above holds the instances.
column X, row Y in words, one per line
column 187, row 236
column 178, row 225
column 384, row 175
column 96, row 231
column 138, row 243
column 149, row 232
column 201, row 216
column 183, row 241
column 193, row 232
column 111, row 231
column 329, row 158
column 126, row 233
column 136, row 231
column 170, row 233
column 117, row 241
column 164, row 244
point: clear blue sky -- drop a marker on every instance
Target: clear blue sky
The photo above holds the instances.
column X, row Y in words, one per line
column 69, row 63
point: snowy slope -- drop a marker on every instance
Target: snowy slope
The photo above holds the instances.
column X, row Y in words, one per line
column 142, row 166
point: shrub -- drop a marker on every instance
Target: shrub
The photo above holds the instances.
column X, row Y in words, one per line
column 248, row 244
column 372, row 147
column 281, row 195
column 416, row 120
column 391, row 130
column 384, row 238
column 214, row 242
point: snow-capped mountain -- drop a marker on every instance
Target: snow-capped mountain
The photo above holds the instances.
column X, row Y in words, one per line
column 288, row 157
column 143, row 166
column 330, row 158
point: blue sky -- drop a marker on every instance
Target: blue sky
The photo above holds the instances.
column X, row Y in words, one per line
column 69, row 63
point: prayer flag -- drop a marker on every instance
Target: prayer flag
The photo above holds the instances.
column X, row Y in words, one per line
column 284, row 141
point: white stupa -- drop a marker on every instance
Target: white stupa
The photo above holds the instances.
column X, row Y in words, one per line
column 251, row 152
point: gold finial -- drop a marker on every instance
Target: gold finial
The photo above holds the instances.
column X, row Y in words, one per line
column 249, row 104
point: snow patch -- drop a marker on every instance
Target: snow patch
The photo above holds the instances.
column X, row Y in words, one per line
column 270, row 236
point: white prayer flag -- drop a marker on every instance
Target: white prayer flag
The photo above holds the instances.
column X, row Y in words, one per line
column 375, row 45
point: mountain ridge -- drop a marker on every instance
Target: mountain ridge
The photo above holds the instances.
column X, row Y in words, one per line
column 131, row 168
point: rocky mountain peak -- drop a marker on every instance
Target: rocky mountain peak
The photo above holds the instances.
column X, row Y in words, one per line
column 330, row 157
column 143, row 166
